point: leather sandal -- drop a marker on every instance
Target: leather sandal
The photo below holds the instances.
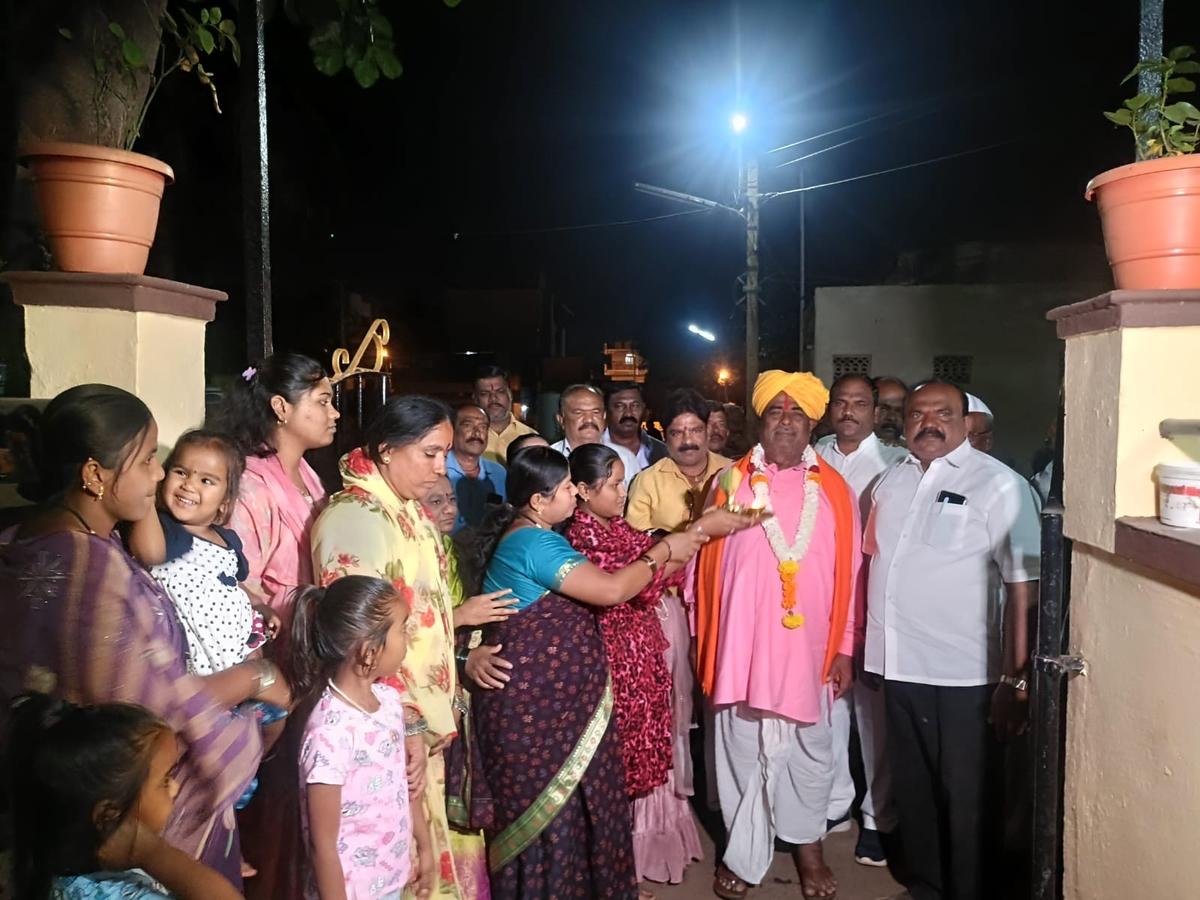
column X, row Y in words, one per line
column 727, row 885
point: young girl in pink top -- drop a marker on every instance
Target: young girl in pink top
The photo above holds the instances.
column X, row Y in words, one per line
column 357, row 818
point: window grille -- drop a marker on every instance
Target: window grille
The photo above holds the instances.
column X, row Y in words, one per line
column 851, row 364
column 955, row 369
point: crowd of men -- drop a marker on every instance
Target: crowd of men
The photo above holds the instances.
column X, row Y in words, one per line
column 909, row 559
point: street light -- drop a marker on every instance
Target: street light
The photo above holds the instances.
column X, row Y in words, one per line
column 701, row 333
column 724, row 379
column 739, row 122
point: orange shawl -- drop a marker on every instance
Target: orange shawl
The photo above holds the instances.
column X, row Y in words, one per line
column 708, row 578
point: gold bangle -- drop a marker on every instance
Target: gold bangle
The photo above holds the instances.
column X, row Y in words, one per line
column 267, row 676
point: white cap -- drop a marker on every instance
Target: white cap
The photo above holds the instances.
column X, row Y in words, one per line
column 975, row 405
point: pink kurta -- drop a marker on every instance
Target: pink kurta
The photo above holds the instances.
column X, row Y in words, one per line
column 760, row 662
column 274, row 521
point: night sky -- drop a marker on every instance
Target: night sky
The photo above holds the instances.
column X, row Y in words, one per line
column 516, row 117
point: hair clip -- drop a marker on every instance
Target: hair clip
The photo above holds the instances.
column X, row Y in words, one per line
column 249, row 374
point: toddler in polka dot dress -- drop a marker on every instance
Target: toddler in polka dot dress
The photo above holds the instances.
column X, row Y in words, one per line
column 200, row 564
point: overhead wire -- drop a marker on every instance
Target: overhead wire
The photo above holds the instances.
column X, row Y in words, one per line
column 924, row 162
column 817, row 137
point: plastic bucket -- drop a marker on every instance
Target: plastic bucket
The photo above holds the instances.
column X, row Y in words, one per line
column 1179, row 494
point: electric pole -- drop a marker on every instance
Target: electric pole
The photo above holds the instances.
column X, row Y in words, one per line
column 803, row 367
column 751, row 287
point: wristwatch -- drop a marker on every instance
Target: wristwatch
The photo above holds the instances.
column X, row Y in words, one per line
column 1016, row 683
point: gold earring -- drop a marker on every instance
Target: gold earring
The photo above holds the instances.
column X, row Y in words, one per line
column 100, row 493
column 386, row 460
column 281, row 421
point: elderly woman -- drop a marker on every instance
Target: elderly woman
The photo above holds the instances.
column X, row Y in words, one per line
column 377, row 526
column 85, row 622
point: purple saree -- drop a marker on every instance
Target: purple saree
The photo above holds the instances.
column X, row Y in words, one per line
column 81, row 620
column 549, row 747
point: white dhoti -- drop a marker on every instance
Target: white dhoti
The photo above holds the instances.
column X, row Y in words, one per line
column 774, row 778
column 841, row 797
column 866, row 706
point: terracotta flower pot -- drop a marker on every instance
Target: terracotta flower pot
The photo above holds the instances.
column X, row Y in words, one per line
column 99, row 205
column 1150, row 215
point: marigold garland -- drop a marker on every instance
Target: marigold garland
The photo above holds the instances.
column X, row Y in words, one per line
column 789, row 556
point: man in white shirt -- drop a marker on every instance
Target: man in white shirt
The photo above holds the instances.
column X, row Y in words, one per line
column 979, row 424
column 948, row 525
column 859, row 456
column 582, row 419
column 890, row 393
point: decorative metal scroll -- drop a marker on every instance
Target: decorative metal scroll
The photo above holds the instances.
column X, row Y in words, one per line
column 344, row 366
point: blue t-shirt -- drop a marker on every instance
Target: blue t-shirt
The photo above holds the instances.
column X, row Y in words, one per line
column 531, row 562
column 133, row 884
column 474, row 494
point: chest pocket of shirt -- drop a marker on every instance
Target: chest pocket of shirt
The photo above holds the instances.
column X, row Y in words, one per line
column 946, row 526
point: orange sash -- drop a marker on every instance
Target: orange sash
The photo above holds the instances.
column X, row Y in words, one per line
column 708, row 577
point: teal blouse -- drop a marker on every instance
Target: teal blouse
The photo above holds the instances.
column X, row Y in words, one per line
column 531, row 562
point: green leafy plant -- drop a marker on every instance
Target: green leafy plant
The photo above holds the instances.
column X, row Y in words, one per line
column 188, row 37
column 351, row 35
column 1163, row 125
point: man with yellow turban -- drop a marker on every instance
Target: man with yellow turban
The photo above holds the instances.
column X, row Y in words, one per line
column 775, row 632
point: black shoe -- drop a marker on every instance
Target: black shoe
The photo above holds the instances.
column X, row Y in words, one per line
column 869, row 849
column 837, row 826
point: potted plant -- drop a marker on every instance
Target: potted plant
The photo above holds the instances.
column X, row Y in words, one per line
column 1150, row 209
column 99, row 204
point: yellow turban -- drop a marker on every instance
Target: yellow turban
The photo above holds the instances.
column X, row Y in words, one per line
column 805, row 388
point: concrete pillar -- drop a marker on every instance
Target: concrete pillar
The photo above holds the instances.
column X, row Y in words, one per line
column 135, row 332
column 1133, row 723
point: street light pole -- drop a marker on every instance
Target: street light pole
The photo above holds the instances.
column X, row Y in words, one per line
column 803, row 366
column 751, row 286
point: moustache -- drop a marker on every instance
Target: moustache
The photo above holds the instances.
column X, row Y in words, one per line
column 688, row 447
column 589, row 426
column 629, row 419
column 850, row 419
column 475, row 440
column 931, row 432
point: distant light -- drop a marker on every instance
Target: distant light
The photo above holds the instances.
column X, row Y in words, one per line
column 383, row 352
column 739, row 122
column 700, row 332
column 331, row 234
column 469, row 352
column 524, row 408
column 724, row 376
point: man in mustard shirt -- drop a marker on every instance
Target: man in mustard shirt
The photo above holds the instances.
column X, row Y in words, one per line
column 670, row 493
column 494, row 396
